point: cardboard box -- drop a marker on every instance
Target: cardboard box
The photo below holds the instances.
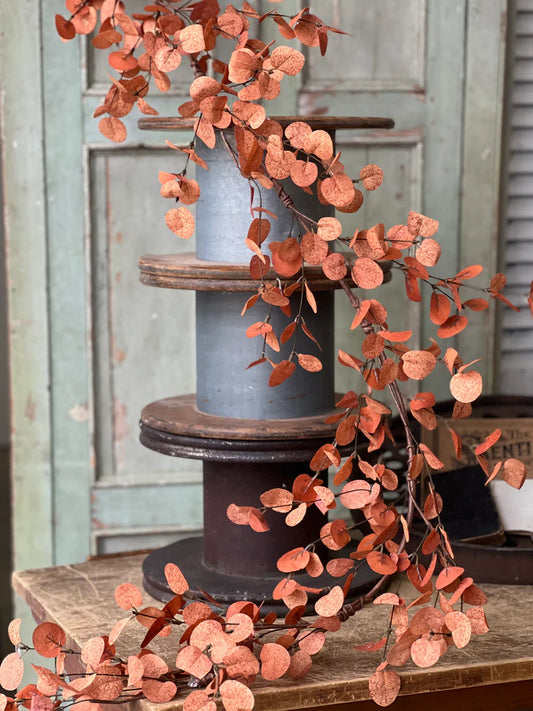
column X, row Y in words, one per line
column 514, row 507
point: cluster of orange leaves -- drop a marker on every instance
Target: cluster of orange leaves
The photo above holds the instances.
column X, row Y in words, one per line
column 225, row 652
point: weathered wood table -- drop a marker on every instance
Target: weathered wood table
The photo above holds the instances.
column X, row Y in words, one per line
column 494, row 673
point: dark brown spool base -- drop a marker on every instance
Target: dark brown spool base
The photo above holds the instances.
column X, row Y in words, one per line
column 187, row 554
column 510, row 564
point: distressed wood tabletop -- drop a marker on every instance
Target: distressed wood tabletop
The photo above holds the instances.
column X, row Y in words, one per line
column 80, row 599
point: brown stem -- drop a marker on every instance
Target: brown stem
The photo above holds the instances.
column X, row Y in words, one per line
column 351, row 608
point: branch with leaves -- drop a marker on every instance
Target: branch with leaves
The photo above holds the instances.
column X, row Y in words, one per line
column 222, row 650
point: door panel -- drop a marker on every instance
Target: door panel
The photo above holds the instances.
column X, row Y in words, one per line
column 82, row 324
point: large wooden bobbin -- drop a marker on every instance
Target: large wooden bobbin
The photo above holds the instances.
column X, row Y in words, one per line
column 250, row 437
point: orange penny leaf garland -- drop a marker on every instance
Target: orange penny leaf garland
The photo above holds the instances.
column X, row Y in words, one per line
column 223, row 649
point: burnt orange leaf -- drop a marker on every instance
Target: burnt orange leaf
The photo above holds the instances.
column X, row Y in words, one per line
column 425, row 652
column 421, row 225
column 459, row 590
column 92, row 651
column 356, row 494
column 432, row 505
column 330, row 604
column 372, row 346
column 175, row 579
column 381, row 563
column 181, row 221
column 191, row 39
column 11, row 671
column 320, row 143
column 476, row 304
column 460, row 627
column 199, row 701
column 416, row 466
column 346, row 431
column 296, row 515
column 514, row 473
column 439, row 308
column 309, row 362
column 452, row 326
column 239, row 627
column 478, row 620
column 303, row 173
column 236, row 696
column 66, row 31
column 48, row 639
column 494, row 472
column 257, row 521
column 297, row 132
column 113, row 128
column 281, row 372
column 488, row 441
column 13, row 631
column 412, row 289
column 372, row 176
column 279, row 499
column 301, row 663
column 324, row 457
column 448, row 576
column 467, row 386
column 418, row 364
column 145, row 108
column 338, row 190
column 430, row 457
column 275, row 661
column 167, row 59
column 240, row 515
column 294, row 560
column 396, row 336
column 338, row 567
column 384, row 687
column 240, row 662
column 313, row 249
column 367, row 273
column 469, row 272
column 372, row 646
column 334, row 266
column 287, row 59
column 429, row 252
column 387, row 599
column 259, row 328
column 329, row 228
column 118, row 627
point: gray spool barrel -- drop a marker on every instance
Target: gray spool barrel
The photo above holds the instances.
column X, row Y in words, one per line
column 224, row 386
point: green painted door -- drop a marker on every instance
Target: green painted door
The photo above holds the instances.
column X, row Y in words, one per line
column 90, row 346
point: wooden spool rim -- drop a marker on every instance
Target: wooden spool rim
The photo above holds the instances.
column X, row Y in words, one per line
column 326, row 123
column 180, row 415
column 185, row 271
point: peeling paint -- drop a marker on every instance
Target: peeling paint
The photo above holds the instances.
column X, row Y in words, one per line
column 119, row 418
column 79, row 413
column 118, row 354
column 29, row 410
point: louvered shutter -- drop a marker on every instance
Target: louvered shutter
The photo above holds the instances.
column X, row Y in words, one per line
column 516, row 366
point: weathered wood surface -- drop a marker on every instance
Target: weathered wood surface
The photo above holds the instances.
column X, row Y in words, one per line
column 184, row 271
column 80, row 599
column 180, row 415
